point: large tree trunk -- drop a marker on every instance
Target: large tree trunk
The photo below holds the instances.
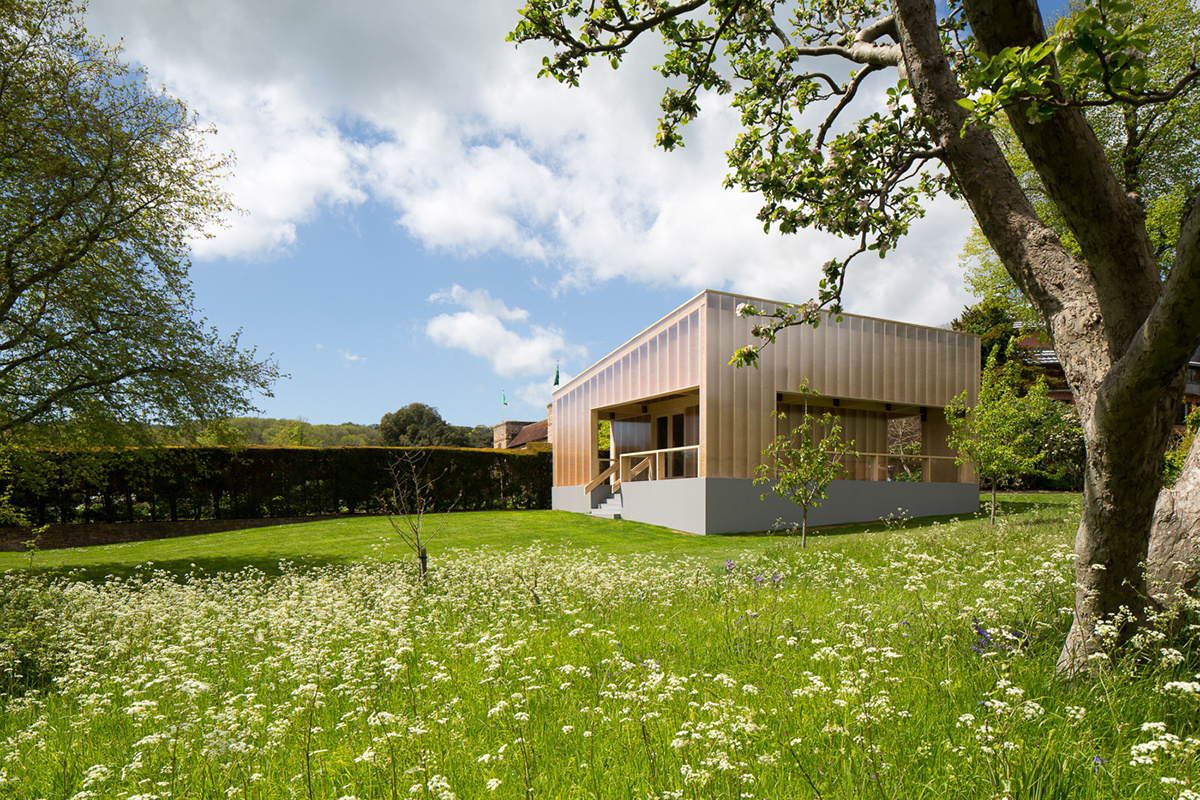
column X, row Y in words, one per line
column 1173, row 562
column 1121, row 485
column 1122, row 335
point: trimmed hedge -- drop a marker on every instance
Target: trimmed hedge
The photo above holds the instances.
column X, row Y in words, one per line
column 172, row 483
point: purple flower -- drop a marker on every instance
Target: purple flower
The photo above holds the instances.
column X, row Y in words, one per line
column 729, row 565
column 985, row 643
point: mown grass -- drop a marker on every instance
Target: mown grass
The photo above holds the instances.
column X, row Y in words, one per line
column 345, row 541
column 554, row 656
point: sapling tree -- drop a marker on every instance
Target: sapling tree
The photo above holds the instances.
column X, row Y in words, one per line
column 801, row 464
column 411, row 499
column 1001, row 435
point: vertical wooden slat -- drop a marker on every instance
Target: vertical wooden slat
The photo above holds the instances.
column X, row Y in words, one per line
column 858, row 358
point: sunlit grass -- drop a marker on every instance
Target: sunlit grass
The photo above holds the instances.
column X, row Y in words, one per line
column 555, row 656
column 350, row 539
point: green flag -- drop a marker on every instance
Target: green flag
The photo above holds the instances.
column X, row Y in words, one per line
column 503, row 400
column 556, row 373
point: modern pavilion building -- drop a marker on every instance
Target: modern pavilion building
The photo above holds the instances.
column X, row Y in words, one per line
column 688, row 428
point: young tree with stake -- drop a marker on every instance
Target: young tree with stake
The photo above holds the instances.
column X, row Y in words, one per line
column 411, row 499
column 801, row 464
column 1000, row 436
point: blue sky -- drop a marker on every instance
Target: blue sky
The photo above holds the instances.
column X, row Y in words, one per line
column 425, row 221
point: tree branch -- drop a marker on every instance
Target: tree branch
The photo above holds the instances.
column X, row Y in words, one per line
column 847, row 97
column 1079, row 179
column 1029, row 249
column 1171, row 331
column 860, row 52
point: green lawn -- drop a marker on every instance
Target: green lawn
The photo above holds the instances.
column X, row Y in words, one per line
column 550, row 655
column 345, row 541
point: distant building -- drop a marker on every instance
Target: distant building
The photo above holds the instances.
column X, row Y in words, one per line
column 505, row 432
column 509, row 435
column 1044, row 357
column 688, row 429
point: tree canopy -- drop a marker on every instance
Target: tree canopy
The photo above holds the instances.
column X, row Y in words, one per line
column 1153, row 148
column 1119, row 310
column 420, row 425
column 300, row 432
column 104, row 182
column 993, row 321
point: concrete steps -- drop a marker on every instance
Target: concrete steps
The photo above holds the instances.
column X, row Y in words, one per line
column 609, row 509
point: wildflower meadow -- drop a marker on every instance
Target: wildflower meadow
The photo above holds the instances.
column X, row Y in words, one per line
column 910, row 660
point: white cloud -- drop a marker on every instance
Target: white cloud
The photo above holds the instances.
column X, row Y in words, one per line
column 426, row 108
column 479, row 301
column 351, row 358
column 538, row 394
column 481, row 331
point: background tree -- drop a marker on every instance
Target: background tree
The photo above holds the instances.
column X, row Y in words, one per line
column 800, row 465
column 1122, row 332
column 481, row 436
column 993, row 321
column 103, row 182
column 904, row 447
column 414, row 425
column 1064, row 451
column 419, row 425
column 1001, row 436
column 270, row 431
column 292, row 433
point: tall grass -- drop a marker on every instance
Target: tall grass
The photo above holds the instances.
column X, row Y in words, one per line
column 909, row 663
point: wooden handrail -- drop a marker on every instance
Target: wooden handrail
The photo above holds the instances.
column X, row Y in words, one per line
column 695, row 447
column 602, row 477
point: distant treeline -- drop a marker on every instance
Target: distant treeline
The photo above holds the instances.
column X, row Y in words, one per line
column 300, row 433
column 414, row 425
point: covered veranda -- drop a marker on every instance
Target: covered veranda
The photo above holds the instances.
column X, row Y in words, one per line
column 687, row 429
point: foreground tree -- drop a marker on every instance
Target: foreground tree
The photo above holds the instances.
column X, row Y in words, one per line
column 1153, row 148
column 103, row 182
column 1122, row 332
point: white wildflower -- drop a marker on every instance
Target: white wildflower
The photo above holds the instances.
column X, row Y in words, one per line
column 1171, row 657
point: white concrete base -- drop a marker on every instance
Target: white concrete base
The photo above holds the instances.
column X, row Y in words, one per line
column 729, row 505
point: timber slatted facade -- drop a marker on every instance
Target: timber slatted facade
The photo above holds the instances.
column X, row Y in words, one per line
column 672, row 390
